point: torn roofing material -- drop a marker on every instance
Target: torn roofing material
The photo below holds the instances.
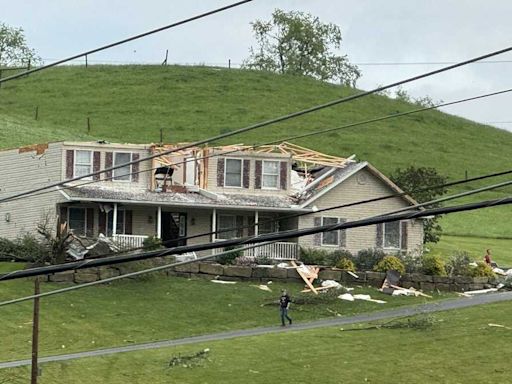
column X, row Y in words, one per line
column 190, row 199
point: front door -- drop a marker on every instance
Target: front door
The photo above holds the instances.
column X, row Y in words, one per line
column 174, row 229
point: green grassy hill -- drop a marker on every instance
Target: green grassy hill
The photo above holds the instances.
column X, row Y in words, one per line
column 132, row 104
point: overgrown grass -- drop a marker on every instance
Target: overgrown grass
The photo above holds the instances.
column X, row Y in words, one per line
column 155, row 309
column 461, row 347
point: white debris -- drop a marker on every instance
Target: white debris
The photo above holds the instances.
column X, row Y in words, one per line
column 282, row 265
column 263, row 287
column 368, row 298
column 346, row 296
column 353, row 274
column 331, row 284
column 480, row 291
column 223, row 282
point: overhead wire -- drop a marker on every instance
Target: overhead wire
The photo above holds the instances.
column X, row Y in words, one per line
column 270, row 121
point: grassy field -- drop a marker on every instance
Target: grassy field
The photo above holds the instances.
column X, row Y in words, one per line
column 461, row 347
column 154, row 309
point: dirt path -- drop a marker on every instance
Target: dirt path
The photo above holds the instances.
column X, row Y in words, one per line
column 363, row 318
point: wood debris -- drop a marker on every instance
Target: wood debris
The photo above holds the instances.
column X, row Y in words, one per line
column 308, row 274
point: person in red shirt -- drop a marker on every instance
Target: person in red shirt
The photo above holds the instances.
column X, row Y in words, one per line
column 487, row 257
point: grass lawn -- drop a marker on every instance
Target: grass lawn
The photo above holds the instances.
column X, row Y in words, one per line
column 460, row 348
column 475, row 246
column 155, row 309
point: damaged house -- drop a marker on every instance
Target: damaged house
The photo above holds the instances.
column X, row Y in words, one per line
column 238, row 190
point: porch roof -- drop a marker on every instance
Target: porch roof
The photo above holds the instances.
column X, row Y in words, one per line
column 190, row 200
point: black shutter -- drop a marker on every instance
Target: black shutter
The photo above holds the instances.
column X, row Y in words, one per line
column 379, row 240
column 96, row 158
column 246, row 170
column 135, row 168
column 89, row 232
column 403, row 240
column 128, row 230
column 102, row 223
column 342, row 234
column 283, row 175
column 317, row 237
column 108, row 164
column 220, row 172
column 239, row 226
column 257, row 174
column 70, row 163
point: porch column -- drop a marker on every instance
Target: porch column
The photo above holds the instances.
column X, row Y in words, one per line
column 214, row 224
column 159, row 222
column 256, row 221
column 114, row 221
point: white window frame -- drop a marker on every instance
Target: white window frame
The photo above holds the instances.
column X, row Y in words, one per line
column 223, row 235
column 399, row 235
column 85, row 220
column 263, row 174
column 337, row 232
column 114, row 170
column 241, row 172
column 89, row 163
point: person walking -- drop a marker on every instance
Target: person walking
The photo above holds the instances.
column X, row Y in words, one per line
column 284, row 305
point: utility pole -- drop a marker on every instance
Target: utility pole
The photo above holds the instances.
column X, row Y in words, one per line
column 35, row 333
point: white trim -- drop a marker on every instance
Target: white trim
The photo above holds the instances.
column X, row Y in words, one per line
column 256, row 222
column 66, row 196
column 214, row 225
column 130, row 173
column 334, row 184
column 114, row 221
column 276, row 175
column 159, row 222
column 241, row 172
column 91, row 161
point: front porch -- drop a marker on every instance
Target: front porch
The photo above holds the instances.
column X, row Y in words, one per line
column 129, row 225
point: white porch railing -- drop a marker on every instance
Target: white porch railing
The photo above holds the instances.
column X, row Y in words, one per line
column 275, row 251
column 129, row 241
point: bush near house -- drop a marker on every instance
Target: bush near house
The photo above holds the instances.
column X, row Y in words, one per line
column 433, row 265
column 458, row 264
column 24, row 248
column 367, row 258
column 389, row 263
column 481, row 270
column 346, row 264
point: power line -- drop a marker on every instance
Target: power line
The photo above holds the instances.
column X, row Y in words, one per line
column 273, row 121
column 400, row 63
column 102, row 48
column 254, row 240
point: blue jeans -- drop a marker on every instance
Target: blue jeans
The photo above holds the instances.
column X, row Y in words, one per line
column 284, row 315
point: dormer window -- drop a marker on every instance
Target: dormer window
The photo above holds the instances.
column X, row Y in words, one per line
column 83, row 164
column 233, row 173
column 270, row 174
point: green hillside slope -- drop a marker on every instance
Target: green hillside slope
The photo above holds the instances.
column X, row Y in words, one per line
column 132, row 104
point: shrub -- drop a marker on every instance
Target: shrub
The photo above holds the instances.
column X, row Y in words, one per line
column 313, row 256
column 411, row 262
column 458, row 264
column 367, row 258
column 152, row 243
column 481, row 270
column 389, row 263
column 333, row 258
column 244, row 261
column 230, row 257
column 346, row 264
column 433, row 265
column 263, row 260
column 25, row 248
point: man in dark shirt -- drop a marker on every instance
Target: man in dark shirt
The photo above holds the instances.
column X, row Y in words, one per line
column 284, row 305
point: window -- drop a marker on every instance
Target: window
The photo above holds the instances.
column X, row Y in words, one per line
column 77, row 221
column 270, row 174
column 331, row 237
column 123, row 173
column 83, row 164
column 392, row 235
column 233, row 176
column 226, row 225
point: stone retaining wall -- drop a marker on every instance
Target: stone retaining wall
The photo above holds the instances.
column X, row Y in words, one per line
column 212, row 271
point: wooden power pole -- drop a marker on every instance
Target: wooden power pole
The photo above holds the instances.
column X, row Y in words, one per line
column 35, row 333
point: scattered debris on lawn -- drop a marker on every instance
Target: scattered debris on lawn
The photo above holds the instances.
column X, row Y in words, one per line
column 350, row 297
column 353, row 274
column 263, row 287
column 498, row 326
column 308, row 274
column 477, row 292
column 391, row 287
column 424, row 321
column 223, row 282
column 190, row 361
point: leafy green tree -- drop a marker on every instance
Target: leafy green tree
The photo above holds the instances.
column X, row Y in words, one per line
column 411, row 180
column 300, row 44
column 13, row 47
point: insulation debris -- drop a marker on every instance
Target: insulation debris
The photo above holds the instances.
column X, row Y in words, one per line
column 263, row 287
column 223, row 282
column 350, row 297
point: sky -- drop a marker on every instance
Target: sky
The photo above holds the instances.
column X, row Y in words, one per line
column 375, row 33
